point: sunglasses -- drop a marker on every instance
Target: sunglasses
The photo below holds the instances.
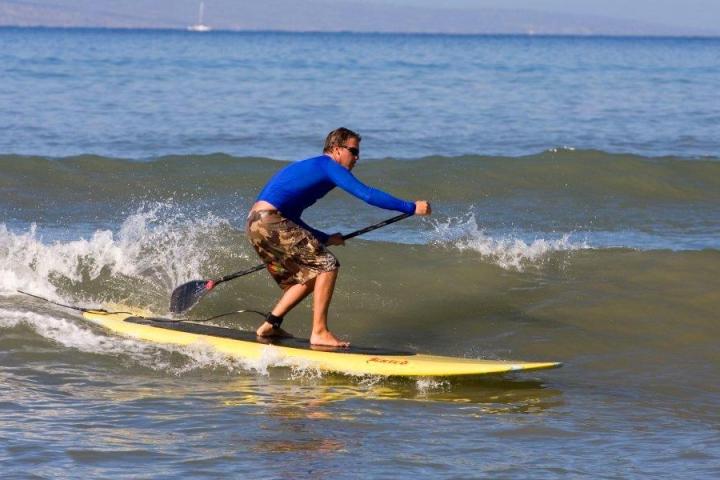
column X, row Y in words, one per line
column 353, row 150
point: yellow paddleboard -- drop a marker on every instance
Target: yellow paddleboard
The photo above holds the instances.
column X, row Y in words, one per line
column 294, row 351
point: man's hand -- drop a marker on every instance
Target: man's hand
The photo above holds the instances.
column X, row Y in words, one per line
column 335, row 239
column 422, row 207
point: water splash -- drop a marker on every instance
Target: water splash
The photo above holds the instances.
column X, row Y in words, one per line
column 173, row 359
column 69, row 334
column 509, row 252
column 159, row 242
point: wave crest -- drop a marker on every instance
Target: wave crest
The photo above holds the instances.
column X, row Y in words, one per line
column 158, row 244
column 509, row 252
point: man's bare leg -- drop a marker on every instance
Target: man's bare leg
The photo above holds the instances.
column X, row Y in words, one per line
column 324, row 287
column 291, row 297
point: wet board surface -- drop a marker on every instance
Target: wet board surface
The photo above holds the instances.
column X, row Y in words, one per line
column 248, row 336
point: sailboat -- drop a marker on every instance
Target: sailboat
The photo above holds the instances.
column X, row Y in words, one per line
column 200, row 26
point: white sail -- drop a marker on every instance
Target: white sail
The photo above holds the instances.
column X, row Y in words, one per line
column 200, row 26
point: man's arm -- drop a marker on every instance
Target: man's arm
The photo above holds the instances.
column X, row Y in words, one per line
column 342, row 177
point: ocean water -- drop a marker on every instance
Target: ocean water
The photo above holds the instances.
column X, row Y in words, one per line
column 576, row 191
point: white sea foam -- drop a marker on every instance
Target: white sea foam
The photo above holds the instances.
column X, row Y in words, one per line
column 509, row 252
column 563, row 148
column 73, row 335
column 76, row 335
column 154, row 241
column 429, row 385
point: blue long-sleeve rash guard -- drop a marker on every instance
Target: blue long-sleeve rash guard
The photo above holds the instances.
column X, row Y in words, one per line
column 296, row 187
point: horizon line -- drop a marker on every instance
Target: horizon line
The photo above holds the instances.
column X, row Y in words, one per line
column 366, row 32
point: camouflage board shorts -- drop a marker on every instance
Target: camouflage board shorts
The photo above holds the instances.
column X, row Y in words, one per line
column 292, row 254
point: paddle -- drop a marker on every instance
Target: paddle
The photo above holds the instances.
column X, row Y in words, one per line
column 188, row 294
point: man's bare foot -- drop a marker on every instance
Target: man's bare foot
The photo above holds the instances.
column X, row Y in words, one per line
column 267, row 330
column 327, row 339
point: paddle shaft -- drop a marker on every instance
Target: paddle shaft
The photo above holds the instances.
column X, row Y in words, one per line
column 345, row 237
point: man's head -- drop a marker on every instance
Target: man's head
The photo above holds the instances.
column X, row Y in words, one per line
column 343, row 146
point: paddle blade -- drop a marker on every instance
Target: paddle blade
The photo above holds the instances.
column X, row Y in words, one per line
column 188, row 294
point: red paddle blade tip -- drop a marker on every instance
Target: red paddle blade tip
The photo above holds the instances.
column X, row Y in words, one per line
column 210, row 285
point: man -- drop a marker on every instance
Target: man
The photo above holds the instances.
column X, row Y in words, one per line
column 294, row 252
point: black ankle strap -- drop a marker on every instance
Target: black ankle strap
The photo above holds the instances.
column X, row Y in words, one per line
column 273, row 320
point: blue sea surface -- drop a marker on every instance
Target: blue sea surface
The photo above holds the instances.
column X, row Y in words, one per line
column 140, row 94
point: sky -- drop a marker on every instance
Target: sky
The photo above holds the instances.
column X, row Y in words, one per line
column 585, row 16
column 681, row 13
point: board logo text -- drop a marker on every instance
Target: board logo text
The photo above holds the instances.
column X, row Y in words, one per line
column 387, row 360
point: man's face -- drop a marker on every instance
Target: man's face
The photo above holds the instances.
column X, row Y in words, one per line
column 344, row 156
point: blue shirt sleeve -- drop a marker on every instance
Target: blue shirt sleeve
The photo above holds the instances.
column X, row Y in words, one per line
column 342, row 177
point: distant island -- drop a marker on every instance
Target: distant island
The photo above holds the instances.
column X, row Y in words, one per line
column 320, row 16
